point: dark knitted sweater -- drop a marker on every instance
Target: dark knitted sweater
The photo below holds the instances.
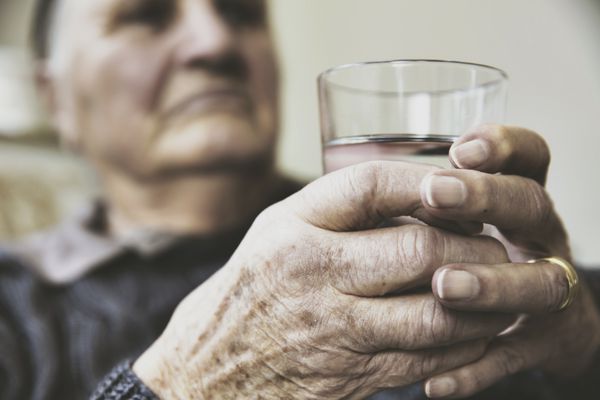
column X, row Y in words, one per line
column 58, row 342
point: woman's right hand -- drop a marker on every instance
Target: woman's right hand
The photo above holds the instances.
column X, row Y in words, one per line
column 302, row 309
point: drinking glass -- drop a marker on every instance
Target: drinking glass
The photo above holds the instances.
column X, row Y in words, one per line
column 408, row 110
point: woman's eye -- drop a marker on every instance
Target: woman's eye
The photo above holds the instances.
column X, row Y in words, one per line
column 242, row 12
column 156, row 14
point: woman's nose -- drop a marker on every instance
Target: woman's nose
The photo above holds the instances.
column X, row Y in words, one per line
column 203, row 33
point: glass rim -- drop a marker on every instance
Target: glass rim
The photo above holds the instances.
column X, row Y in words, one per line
column 328, row 72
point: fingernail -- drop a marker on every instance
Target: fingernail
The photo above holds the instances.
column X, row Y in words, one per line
column 470, row 154
column 444, row 191
column 440, row 387
column 457, row 285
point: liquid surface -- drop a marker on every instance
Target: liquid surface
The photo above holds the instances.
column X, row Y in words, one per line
column 431, row 149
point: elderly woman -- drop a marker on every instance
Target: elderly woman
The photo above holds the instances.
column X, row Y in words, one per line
column 174, row 103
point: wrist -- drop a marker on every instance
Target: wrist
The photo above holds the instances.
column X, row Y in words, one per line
column 156, row 369
column 163, row 367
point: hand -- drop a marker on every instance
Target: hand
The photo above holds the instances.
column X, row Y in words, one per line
column 300, row 309
column 560, row 343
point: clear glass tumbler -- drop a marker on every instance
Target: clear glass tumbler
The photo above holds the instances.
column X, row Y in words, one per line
column 409, row 110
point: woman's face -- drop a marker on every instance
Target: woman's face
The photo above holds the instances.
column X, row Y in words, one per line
column 151, row 88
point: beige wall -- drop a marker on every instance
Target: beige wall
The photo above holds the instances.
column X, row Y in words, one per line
column 550, row 48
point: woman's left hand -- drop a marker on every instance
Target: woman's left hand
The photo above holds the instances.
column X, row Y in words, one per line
column 499, row 182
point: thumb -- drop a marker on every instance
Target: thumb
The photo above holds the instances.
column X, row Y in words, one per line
column 361, row 196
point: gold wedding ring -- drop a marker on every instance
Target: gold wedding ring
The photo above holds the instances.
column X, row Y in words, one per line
column 571, row 274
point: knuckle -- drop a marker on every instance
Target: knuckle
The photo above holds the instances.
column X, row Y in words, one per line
column 348, row 279
column 384, row 368
column 388, row 371
column 469, row 382
column 430, row 363
column 499, row 133
column 363, row 183
column 554, row 287
column 420, row 248
column 494, row 294
column 436, row 325
column 485, row 189
column 287, row 258
column 413, row 367
column 363, row 178
column 495, row 250
column 502, row 141
column 374, row 365
column 541, row 206
column 362, row 330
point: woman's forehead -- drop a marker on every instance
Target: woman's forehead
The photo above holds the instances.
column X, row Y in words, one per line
column 76, row 18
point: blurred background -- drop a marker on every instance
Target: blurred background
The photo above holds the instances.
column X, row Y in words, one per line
column 550, row 49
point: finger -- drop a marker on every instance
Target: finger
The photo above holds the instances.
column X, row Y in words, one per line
column 516, row 288
column 399, row 368
column 502, row 359
column 463, row 227
column 506, row 149
column 377, row 262
column 361, row 196
column 508, row 202
column 417, row 321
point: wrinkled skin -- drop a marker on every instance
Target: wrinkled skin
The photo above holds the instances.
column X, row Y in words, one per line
column 522, row 216
column 306, row 289
column 299, row 311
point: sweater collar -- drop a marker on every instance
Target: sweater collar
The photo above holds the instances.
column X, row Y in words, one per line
column 81, row 244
